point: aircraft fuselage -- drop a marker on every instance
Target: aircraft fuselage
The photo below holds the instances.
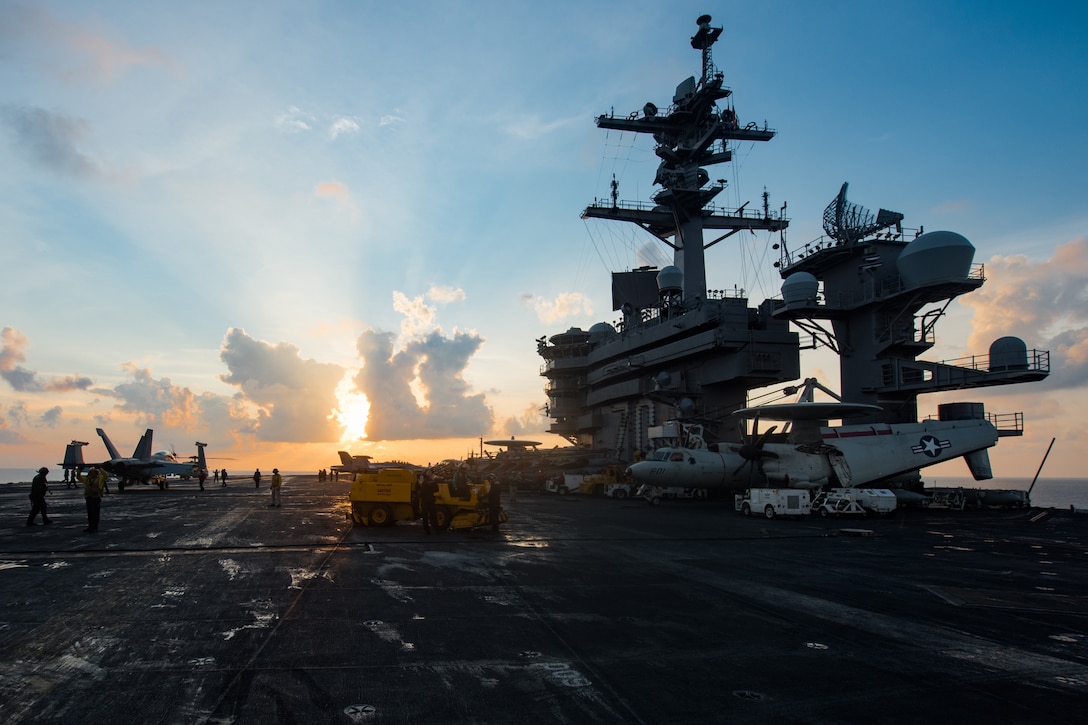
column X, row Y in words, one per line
column 854, row 455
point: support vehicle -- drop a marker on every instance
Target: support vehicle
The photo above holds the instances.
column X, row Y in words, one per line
column 389, row 495
column 772, row 502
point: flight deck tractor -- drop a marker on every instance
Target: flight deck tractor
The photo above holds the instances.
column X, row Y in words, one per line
column 384, row 497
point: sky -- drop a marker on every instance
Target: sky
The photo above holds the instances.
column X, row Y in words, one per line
column 286, row 228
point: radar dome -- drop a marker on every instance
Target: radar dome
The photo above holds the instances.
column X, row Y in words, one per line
column 935, row 257
column 1008, row 353
column 601, row 331
column 670, row 279
column 800, row 287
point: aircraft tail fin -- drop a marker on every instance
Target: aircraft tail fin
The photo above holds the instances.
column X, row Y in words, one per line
column 201, row 462
column 110, row 448
column 143, row 448
column 73, row 455
column 978, row 462
column 345, row 458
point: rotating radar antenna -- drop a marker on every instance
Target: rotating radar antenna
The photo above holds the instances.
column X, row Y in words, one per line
column 847, row 223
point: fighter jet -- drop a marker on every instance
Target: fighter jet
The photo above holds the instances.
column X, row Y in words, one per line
column 142, row 465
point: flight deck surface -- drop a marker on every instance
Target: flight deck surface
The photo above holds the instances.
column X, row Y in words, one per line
column 192, row 607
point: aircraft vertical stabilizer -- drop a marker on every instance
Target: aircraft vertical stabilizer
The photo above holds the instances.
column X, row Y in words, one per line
column 73, row 455
column 979, row 464
column 202, row 463
column 110, row 448
column 143, row 448
column 345, row 458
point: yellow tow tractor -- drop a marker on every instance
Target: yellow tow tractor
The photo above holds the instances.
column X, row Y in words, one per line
column 381, row 498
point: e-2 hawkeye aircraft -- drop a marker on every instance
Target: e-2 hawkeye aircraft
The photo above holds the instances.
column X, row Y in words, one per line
column 816, row 455
column 142, row 465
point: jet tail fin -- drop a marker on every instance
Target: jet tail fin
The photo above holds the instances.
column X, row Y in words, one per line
column 345, row 458
column 110, row 448
column 73, row 455
column 201, row 462
column 143, row 448
column 978, row 462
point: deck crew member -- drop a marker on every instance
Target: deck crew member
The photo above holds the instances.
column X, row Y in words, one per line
column 92, row 493
column 428, row 487
column 38, row 489
column 277, row 484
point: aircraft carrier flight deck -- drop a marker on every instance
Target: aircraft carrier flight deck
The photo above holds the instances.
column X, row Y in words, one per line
column 212, row 607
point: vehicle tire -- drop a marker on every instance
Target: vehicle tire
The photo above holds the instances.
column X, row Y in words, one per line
column 381, row 515
column 619, row 493
column 655, row 501
column 442, row 517
column 745, row 509
column 823, row 512
column 562, row 490
column 769, row 511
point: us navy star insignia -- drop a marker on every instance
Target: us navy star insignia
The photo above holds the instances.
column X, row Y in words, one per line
column 930, row 445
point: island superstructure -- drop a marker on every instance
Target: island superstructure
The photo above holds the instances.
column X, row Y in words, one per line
column 677, row 348
column 682, row 351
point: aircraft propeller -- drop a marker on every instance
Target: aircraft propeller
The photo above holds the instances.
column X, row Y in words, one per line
column 752, row 450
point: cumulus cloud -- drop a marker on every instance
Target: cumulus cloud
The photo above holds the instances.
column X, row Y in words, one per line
column 295, row 396
column 445, row 294
column 51, row 417
column 24, row 380
column 566, row 305
column 1045, row 303
column 50, row 139
column 532, row 421
column 435, row 364
column 418, row 316
column 155, row 402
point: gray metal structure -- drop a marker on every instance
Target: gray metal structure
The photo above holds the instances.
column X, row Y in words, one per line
column 870, row 290
column 873, row 292
column 678, row 349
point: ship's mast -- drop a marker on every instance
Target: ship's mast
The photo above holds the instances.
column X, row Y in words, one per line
column 690, row 135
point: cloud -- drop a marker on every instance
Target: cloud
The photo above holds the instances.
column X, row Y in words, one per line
column 23, row 380
column 8, row 436
column 155, row 402
column 566, row 305
column 51, row 139
column 418, row 316
column 295, row 396
column 73, row 52
column 531, row 127
column 433, row 363
column 295, row 120
column 342, row 125
column 340, row 193
column 19, row 414
column 1043, row 303
column 51, row 417
column 532, row 421
column 445, row 294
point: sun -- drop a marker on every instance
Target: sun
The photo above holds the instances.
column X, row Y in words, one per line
column 352, row 411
